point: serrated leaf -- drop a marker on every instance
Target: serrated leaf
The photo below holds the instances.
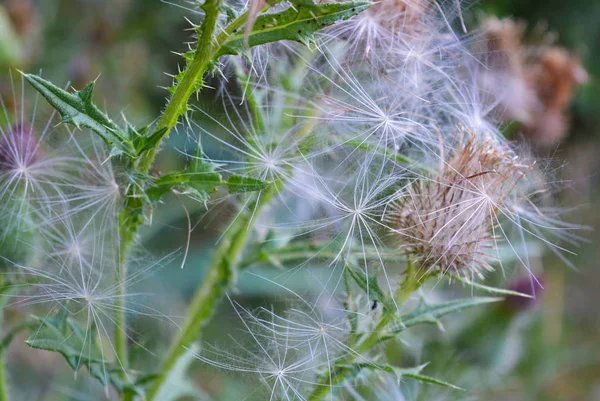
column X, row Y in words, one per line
column 143, row 142
column 64, row 335
column 200, row 180
column 367, row 283
column 492, row 290
column 240, row 183
column 411, row 373
column 79, row 348
column 426, row 313
column 298, row 22
column 199, row 184
column 78, row 109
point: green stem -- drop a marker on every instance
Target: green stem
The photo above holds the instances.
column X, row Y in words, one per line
column 338, row 373
column 132, row 215
column 192, row 79
column 3, row 386
column 121, row 318
column 221, row 275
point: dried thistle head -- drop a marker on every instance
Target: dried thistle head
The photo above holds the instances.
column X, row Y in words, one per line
column 447, row 223
column 534, row 79
column 554, row 76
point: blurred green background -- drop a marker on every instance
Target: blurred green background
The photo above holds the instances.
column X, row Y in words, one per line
column 548, row 352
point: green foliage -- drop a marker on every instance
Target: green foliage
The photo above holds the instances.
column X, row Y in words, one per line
column 199, row 182
column 239, row 183
column 491, row 290
column 368, row 283
column 400, row 373
column 298, row 22
column 79, row 110
column 430, row 314
column 79, row 347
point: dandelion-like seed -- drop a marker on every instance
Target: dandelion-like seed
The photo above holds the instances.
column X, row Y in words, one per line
column 448, row 223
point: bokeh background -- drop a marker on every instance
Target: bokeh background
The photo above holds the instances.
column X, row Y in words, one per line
column 546, row 351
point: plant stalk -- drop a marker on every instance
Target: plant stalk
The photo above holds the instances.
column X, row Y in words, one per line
column 219, row 279
column 132, row 216
column 204, row 55
column 337, row 374
column 3, row 386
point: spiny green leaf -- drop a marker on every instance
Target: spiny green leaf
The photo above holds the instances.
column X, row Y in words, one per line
column 64, row 335
column 78, row 109
column 298, row 22
column 200, row 180
column 411, row 373
column 240, row 183
column 367, row 283
column 390, row 154
column 143, row 142
column 198, row 184
column 79, row 348
column 426, row 313
column 492, row 290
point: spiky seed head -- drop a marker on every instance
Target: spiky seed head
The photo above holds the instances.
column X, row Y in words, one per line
column 447, row 223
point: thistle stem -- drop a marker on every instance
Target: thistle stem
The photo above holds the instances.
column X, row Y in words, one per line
column 132, row 215
column 221, row 275
column 121, row 318
column 338, row 373
column 191, row 82
column 3, row 386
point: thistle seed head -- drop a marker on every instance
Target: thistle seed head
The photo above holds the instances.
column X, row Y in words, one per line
column 447, row 223
column 18, row 148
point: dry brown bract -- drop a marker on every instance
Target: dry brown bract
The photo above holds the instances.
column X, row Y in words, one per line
column 448, row 222
column 536, row 81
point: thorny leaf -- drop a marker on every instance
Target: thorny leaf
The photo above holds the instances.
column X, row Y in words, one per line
column 240, row 183
column 78, row 109
column 430, row 314
column 491, row 290
column 199, row 181
column 368, row 284
column 198, row 184
column 79, row 348
column 410, row 373
column 298, row 22
column 142, row 141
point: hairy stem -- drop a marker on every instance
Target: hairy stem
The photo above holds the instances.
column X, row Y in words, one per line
column 192, row 79
column 132, row 215
column 121, row 318
column 3, row 386
column 339, row 372
column 221, row 275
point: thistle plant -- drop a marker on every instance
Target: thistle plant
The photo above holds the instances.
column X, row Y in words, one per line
column 358, row 144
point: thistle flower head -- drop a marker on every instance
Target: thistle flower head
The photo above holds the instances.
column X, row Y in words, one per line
column 447, row 223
